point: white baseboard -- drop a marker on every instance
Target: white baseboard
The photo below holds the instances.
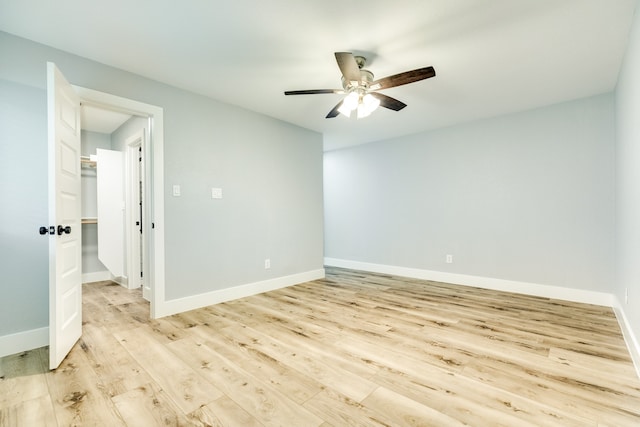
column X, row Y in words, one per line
column 534, row 289
column 101, row 276
column 23, row 341
column 546, row 291
column 215, row 297
column 96, row 276
column 628, row 333
column 120, row 280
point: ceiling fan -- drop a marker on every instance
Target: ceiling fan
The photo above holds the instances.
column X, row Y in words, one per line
column 362, row 90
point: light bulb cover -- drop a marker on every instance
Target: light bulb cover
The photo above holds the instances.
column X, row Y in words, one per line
column 371, row 102
column 351, row 101
column 344, row 110
column 363, row 111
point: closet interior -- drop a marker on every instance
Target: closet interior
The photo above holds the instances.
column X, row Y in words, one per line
column 112, row 174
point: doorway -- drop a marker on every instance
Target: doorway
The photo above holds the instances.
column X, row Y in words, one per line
column 149, row 143
column 113, row 191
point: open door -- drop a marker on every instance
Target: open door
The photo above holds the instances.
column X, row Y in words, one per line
column 65, row 245
column 111, row 210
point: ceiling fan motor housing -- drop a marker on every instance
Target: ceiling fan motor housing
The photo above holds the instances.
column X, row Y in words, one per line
column 366, row 77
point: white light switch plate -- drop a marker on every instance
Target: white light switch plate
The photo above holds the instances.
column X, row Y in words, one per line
column 216, row 193
column 176, row 190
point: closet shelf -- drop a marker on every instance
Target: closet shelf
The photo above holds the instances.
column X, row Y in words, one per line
column 89, row 220
column 90, row 161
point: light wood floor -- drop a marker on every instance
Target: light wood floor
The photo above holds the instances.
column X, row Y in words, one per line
column 353, row 349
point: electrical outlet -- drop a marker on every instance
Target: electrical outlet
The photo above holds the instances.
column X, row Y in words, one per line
column 449, row 259
column 267, row 264
column 626, row 295
column 216, row 193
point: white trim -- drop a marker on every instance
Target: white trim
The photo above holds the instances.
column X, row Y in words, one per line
column 228, row 294
column 101, row 276
column 534, row 289
column 155, row 213
column 23, row 341
column 134, row 143
column 96, row 276
column 629, row 336
column 120, row 280
column 154, row 184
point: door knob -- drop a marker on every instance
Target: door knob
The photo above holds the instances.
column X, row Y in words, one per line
column 47, row 230
column 62, row 229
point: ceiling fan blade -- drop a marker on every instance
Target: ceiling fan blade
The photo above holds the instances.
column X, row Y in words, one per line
column 334, row 113
column 403, row 78
column 348, row 66
column 312, row 91
column 389, row 102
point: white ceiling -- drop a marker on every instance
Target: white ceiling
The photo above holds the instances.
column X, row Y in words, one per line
column 99, row 120
column 492, row 57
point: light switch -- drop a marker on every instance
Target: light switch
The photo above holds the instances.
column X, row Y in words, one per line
column 216, row 193
column 176, row 191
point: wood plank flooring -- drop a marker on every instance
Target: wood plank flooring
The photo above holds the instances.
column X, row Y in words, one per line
column 355, row 348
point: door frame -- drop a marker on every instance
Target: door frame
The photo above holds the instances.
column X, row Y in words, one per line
column 134, row 174
column 153, row 152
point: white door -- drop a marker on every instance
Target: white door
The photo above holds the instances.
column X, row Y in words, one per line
column 110, row 195
column 65, row 246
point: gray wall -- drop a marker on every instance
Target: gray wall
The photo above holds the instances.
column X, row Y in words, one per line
column 527, row 197
column 127, row 129
column 271, row 179
column 270, row 171
column 628, row 180
column 24, row 262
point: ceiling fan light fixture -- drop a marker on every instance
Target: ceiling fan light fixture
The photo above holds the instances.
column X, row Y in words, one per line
column 363, row 111
column 367, row 105
column 349, row 104
column 371, row 102
column 344, row 110
column 351, row 101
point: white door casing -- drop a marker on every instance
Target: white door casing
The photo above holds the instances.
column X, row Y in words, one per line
column 65, row 246
column 135, row 213
column 143, row 173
